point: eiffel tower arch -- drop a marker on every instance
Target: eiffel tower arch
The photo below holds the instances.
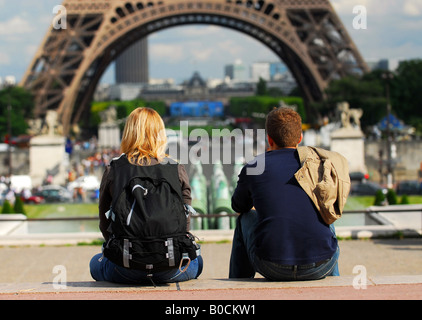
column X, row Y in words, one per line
column 307, row 35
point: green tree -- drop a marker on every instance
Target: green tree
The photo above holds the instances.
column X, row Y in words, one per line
column 391, row 197
column 405, row 199
column 379, row 198
column 261, row 87
column 366, row 93
column 7, row 208
column 245, row 106
column 22, row 104
column 406, row 96
column 18, row 206
column 123, row 109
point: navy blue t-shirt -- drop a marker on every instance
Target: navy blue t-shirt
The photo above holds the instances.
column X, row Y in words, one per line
column 290, row 230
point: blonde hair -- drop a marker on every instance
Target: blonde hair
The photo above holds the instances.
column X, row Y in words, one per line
column 144, row 137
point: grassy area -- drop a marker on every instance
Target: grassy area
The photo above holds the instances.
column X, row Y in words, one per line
column 91, row 209
column 358, row 203
column 363, row 202
column 62, row 210
column 414, row 199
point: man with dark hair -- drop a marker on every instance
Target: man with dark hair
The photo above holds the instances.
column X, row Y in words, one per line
column 284, row 230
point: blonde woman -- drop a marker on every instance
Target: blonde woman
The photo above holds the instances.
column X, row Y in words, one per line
column 143, row 156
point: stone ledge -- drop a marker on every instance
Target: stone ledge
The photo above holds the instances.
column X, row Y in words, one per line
column 204, row 285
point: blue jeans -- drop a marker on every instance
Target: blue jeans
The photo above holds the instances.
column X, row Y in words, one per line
column 244, row 263
column 102, row 269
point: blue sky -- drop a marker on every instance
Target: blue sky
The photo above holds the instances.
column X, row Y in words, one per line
column 393, row 31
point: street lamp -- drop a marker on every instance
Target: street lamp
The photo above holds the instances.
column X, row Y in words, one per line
column 388, row 76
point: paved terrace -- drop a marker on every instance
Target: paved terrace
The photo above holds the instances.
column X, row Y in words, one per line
column 393, row 271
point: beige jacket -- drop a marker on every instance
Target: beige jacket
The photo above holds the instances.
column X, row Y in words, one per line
column 324, row 176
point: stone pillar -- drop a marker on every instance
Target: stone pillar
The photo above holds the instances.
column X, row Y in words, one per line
column 109, row 130
column 47, row 156
column 349, row 142
column 109, row 136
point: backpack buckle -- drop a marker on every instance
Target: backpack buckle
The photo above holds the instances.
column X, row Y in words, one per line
column 184, row 257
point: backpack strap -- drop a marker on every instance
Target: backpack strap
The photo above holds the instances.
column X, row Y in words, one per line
column 126, row 253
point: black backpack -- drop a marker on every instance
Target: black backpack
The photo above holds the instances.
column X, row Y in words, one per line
column 148, row 218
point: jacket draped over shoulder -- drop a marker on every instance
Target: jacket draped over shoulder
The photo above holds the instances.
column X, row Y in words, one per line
column 324, row 176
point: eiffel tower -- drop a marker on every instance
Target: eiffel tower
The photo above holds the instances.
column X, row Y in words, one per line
column 307, row 35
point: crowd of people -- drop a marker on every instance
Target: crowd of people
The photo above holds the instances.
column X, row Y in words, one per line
column 92, row 165
column 80, row 166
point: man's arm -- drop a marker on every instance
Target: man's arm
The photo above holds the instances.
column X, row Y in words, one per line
column 242, row 199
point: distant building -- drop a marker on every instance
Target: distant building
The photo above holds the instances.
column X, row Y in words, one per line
column 125, row 91
column 132, row 65
column 236, row 71
column 383, row 64
column 260, row 70
column 278, row 70
column 269, row 71
column 196, row 87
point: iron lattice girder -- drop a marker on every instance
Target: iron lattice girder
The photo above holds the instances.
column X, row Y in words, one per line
column 307, row 35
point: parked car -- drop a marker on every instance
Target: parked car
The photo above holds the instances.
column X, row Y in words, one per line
column 366, row 189
column 53, row 193
column 409, row 187
column 33, row 199
column 358, row 176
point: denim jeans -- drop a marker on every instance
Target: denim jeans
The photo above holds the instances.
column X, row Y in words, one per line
column 244, row 263
column 102, row 269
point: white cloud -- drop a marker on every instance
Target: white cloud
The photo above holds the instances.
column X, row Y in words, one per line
column 169, row 53
column 229, row 47
column 346, row 6
column 412, row 8
column 374, row 7
column 15, row 25
column 202, row 55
